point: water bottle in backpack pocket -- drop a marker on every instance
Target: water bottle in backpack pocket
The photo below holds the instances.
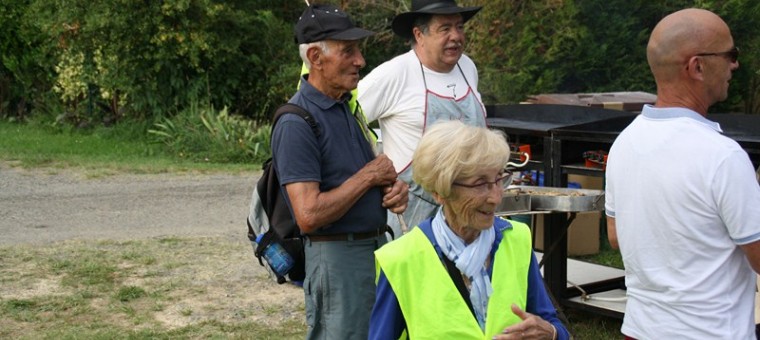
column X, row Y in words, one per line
column 275, row 255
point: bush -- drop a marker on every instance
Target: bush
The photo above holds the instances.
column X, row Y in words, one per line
column 520, row 47
column 117, row 58
column 96, row 62
column 206, row 135
column 549, row 46
column 26, row 61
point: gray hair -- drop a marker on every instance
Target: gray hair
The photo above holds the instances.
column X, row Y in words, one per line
column 303, row 48
column 452, row 150
column 422, row 22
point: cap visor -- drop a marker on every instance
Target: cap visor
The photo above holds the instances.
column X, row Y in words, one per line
column 352, row 34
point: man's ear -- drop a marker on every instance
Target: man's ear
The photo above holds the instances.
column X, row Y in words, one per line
column 694, row 68
column 314, row 54
column 417, row 34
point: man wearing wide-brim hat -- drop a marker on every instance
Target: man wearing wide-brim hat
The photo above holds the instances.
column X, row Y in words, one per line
column 432, row 82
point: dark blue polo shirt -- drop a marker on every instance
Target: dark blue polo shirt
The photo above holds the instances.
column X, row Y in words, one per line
column 338, row 154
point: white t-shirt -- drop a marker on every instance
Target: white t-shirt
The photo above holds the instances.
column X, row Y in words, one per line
column 394, row 94
column 683, row 197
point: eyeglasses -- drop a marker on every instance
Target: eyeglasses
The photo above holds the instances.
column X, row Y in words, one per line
column 502, row 182
column 732, row 55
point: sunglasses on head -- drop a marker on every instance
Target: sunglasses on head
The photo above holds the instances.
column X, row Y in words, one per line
column 732, row 55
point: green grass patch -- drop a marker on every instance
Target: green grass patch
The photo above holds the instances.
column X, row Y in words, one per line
column 102, row 151
column 607, row 256
column 584, row 325
column 204, row 134
column 129, row 293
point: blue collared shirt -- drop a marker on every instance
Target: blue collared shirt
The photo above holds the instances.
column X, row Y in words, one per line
column 339, row 153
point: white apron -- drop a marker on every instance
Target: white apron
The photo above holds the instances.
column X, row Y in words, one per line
column 467, row 109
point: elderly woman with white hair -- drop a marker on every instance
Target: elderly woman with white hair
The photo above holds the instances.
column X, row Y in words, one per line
column 465, row 273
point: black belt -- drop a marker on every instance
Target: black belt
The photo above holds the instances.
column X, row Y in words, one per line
column 348, row 236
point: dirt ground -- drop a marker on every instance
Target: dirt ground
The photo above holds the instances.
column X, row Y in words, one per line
column 58, row 207
column 47, row 205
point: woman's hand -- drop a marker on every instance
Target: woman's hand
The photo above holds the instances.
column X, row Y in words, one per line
column 531, row 327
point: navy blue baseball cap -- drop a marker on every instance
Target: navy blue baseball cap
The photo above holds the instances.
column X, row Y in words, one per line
column 327, row 22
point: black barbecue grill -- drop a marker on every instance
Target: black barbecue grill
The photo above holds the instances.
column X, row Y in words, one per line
column 534, row 124
column 540, row 119
column 743, row 128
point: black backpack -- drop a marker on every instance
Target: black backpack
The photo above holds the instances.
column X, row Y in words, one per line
column 269, row 213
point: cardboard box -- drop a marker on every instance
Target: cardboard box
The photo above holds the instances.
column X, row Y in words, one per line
column 582, row 236
column 587, row 182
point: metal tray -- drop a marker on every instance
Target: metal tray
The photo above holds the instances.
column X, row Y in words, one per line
column 513, row 203
column 560, row 199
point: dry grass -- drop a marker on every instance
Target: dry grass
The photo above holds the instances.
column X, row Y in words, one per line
column 156, row 288
column 163, row 288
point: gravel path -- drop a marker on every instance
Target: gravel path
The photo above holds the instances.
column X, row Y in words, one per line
column 47, row 205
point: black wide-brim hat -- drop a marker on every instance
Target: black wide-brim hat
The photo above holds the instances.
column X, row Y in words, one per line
column 403, row 23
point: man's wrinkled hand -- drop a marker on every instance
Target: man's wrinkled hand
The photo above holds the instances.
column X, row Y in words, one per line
column 380, row 171
column 396, row 197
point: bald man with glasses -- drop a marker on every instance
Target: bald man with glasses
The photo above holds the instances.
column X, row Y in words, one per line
column 682, row 202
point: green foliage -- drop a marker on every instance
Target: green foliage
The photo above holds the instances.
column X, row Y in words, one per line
column 518, row 46
column 744, row 92
column 116, row 58
column 26, row 61
column 101, row 151
column 559, row 47
column 376, row 16
column 204, row 134
column 88, row 63
column 563, row 46
column 611, row 51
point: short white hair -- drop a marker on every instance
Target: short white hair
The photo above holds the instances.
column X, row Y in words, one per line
column 451, row 150
column 303, row 48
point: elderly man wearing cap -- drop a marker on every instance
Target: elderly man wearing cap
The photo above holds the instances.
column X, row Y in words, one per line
column 433, row 81
column 336, row 188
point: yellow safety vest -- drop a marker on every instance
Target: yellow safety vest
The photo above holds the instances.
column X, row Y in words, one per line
column 433, row 307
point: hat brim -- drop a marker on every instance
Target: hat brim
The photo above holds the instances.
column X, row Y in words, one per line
column 351, row 34
column 403, row 23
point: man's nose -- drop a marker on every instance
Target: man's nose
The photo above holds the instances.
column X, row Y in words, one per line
column 359, row 60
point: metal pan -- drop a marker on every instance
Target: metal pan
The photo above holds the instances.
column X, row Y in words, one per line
column 513, row 203
column 560, row 199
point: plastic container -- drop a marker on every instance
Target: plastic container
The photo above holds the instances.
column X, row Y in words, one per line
column 279, row 259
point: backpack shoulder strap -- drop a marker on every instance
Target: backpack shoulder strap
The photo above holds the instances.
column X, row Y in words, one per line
column 293, row 108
